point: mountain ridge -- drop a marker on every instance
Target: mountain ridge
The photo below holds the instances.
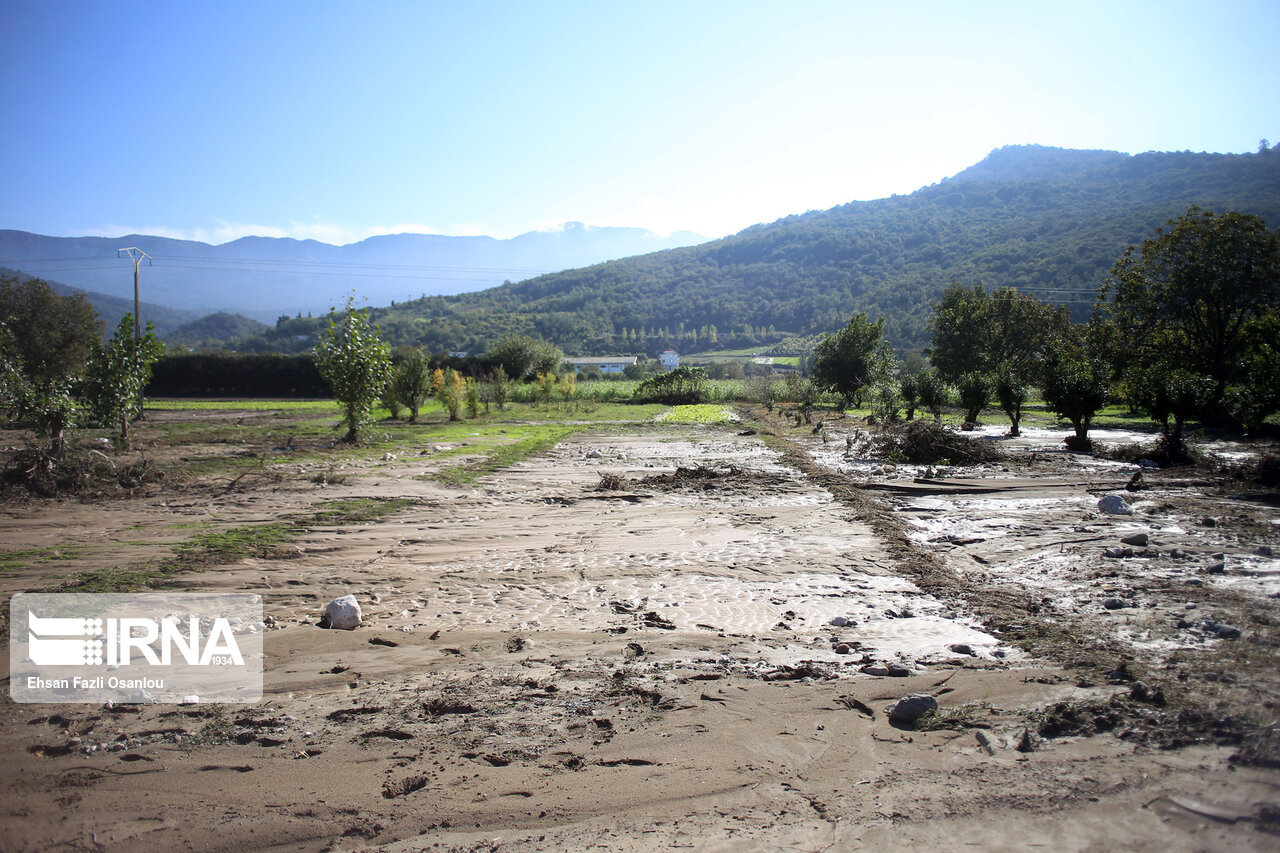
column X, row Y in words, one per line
column 1054, row 230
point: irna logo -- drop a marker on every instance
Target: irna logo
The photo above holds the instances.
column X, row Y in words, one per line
column 91, row 641
column 144, row 647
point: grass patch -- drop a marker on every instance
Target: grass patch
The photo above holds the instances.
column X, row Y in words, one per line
column 357, row 511
column 17, row 561
column 537, row 438
column 699, row 413
column 223, row 547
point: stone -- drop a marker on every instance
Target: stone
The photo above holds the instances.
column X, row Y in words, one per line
column 1217, row 568
column 1138, row 540
column 844, row 649
column 897, row 670
column 962, row 649
column 912, row 707
column 342, row 614
column 1029, row 742
column 595, row 454
column 1148, row 463
column 1113, row 553
column 1225, row 631
column 985, row 742
column 842, row 622
column 1114, row 603
column 1115, row 505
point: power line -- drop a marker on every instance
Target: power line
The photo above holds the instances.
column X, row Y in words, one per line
column 185, row 261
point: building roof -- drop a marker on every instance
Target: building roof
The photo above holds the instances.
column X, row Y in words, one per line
column 617, row 359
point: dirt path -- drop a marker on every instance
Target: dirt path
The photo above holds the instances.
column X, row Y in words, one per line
column 552, row 665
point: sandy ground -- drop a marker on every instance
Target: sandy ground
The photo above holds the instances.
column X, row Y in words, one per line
column 549, row 665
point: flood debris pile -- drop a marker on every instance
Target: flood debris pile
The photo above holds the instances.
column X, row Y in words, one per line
column 922, row 443
column 699, row 478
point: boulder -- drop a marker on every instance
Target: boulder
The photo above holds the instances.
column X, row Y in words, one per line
column 342, row 614
column 912, row 707
column 1115, row 505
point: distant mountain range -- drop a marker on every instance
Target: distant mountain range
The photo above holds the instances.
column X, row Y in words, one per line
column 265, row 277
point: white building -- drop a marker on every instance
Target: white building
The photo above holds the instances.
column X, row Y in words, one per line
column 614, row 364
column 670, row 360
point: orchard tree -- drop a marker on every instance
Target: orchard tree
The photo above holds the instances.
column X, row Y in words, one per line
column 1170, row 394
column 1003, row 335
column 356, row 363
column 909, row 392
column 411, row 382
column 523, row 357
column 1011, row 394
column 1076, row 387
column 933, row 392
column 452, row 393
column 46, row 343
column 1198, row 294
column 500, row 387
column 853, row 358
column 53, row 335
column 975, row 392
column 974, row 331
column 117, row 373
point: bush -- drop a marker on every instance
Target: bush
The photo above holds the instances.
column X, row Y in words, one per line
column 679, row 386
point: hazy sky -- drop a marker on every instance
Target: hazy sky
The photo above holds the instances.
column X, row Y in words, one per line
column 213, row 120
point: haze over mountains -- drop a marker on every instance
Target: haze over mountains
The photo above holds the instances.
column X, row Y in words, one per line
column 1047, row 221
column 264, row 277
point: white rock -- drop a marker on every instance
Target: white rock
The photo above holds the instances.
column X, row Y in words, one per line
column 342, row 614
column 1115, row 505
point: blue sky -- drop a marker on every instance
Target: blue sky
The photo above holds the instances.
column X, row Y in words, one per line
column 336, row 121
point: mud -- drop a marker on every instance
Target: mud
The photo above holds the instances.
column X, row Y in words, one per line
column 698, row 658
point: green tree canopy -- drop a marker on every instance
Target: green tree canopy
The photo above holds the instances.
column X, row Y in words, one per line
column 853, row 358
column 118, row 371
column 523, row 357
column 1198, row 295
column 356, row 363
column 53, row 335
column 976, row 331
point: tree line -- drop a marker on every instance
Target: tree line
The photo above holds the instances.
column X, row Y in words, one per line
column 1187, row 325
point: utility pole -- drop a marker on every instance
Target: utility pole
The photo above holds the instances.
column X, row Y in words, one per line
column 136, row 255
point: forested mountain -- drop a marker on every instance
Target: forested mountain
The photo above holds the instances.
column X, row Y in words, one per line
column 1047, row 221
column 212, row 331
